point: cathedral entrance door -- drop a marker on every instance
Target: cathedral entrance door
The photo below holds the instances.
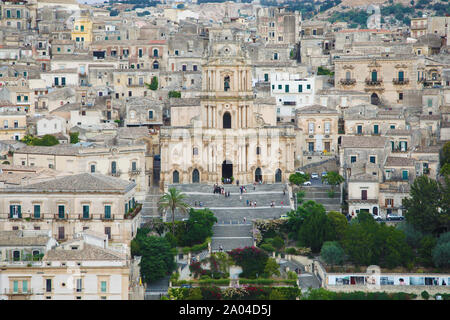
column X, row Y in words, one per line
column 258, row 175
column 227, row 169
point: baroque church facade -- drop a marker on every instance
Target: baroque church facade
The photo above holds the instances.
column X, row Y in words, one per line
column 227, row 132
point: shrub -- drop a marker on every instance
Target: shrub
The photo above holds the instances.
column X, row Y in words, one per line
column 251, row 259
column 74, row 137
column 278, row 243
column 174, row 94
column 291, row 250
column 267, row 247
column 332, row 253
column 425, row 295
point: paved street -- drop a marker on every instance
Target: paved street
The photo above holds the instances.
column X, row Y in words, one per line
column 231, row 231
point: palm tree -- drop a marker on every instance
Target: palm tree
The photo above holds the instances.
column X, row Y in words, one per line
column 173, row 199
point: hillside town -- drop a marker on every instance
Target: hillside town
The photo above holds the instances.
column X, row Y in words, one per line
column 194, row 150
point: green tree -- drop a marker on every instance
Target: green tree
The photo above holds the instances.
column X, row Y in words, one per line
column 445, row 170
column 153, row 84
column 298, row 178
column 251, row 259
column 278, row 242
column 157, row 258
column 74, row 137
column 332, row 253
column 441, row 255
column 174, row 94
column 316, row 229
column 198, row 227
column 271, row 268
column 413, row 236
column 339, row 224
column 425, row 251
column 423, row 207
column 445, row 154
column 173, row 200
column 333, row 178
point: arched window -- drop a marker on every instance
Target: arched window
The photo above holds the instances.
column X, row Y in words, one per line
column 176, row 177
column 155, row 53
column 278, row 175
column 227, row 120
column 374, row 99
column 195, row 151
column 226, row 83
column 195, row 176
column 155, row 65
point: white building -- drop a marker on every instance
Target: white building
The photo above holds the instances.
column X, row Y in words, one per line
column 293, row 92
column 50, row 125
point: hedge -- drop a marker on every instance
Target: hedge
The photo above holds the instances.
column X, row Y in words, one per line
column 220, row 282
column 197, row 247
column 267, row 281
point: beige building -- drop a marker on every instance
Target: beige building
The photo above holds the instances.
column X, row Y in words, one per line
column 72, row 204
column 387, row 79
column 229, row 133
column 125, row 161
column 320, row 133
column 13, row 124
column 78, row 270
column 278, row 26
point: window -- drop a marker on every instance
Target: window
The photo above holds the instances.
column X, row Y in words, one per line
column 258, row 150
column 56, row 81
column 280, row 87
column 25, row 286
column 405, row 174
column 184, row 67
column 150, row 114
column 37, row 211
column 286, row 88
column 400, row 96
column 16, row 286
column 108, row 229
column 311, row 128
column 375, row 129
column 103, row 286
column 359, row 129
column 15, row 211
column 308, row 86
column 155, row 53
column 372, row 159
column 226, row 83
column 48, row 285
column 85, row 211
column 194, row 67
column 107, row 212
column 363, row 194
column 401, row 75
column 327, row 128
column 113, row 167
column 92, row 168
column 311, row 146
column 79, row 285
column 352, row 159
column 392, row 127
column 300, row 88
column 430, row 102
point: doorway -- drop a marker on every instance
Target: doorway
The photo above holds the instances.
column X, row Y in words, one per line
column 227, row 169
column 258, row 175
column 278, row 175
column 374, row 99
column 195, row 176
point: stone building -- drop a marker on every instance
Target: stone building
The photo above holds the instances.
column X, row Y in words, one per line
column 228, row 132
column 278, row 26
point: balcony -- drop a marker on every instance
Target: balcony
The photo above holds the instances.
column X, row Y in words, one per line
column 347, row 82
column 82, row 217
column 60, row 217
column 133, row 212
column 397, row 81
column 115, row 174
column 104, row 218
column 134, row 172
column 11, row 292
column 370, row 82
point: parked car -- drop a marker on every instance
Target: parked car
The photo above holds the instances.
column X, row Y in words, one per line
column 314, row 175
column 394, row 217
column 307, row 183
column 284, row 216
column 377, row 218
column 186, row 286
column 301, row 172
column 184, row 219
